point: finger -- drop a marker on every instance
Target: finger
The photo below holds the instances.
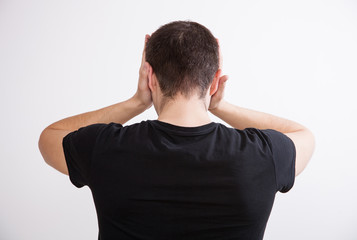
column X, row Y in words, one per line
column 143, row 59
column 223, row 79
column 222, row 83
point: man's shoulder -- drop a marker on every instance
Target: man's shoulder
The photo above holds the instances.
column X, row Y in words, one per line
column 116, row 129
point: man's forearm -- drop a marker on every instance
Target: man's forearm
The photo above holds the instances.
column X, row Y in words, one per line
column 241, row 118
column 119, row 113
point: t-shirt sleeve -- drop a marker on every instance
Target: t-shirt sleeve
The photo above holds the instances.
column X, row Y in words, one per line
column 78, row 149
column 284, row 154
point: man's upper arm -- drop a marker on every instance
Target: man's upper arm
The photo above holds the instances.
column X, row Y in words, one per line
column 50, row 145
column 304, row 142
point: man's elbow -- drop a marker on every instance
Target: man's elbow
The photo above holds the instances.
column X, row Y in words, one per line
column 310, row 144
column 305, row 149
column 50, row 146
column 42, row 145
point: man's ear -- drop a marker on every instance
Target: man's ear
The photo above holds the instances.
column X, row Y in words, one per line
column 152, row 82
column 215, row 82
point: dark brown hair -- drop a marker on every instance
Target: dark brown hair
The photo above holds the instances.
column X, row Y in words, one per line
column 184, row 56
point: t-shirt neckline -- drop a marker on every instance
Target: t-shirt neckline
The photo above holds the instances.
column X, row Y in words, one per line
column 203, row 129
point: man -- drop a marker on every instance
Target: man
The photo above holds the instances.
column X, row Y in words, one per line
column 181, row 176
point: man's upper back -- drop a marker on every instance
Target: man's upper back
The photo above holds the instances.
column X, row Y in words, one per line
column 154, row 180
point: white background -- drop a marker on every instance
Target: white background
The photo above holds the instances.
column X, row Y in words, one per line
column 294, row 59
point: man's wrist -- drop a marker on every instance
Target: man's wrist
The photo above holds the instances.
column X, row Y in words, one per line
column 138, row 104
column 218, row 108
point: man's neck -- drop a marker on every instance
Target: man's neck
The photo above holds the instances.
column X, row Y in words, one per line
column 185, row 112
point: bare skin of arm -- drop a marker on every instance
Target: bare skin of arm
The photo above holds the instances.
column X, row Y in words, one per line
column 50, row 142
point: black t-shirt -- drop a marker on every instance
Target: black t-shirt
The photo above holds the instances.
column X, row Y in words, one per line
column 155, row 180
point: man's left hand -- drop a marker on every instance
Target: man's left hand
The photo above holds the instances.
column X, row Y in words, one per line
column 143, row 93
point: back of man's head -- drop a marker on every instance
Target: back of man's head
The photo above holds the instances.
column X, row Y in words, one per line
column 184, row 56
